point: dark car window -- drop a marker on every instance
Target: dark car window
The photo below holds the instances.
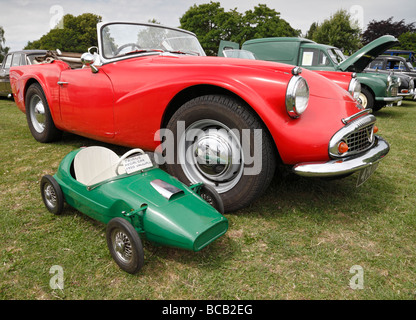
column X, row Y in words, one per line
column 16, row 60
column 30, row 58
column 395, row 65
column 376, row 64
column 8, row 62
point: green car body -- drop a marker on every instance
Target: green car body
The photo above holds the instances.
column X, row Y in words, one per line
column 182, row 220
column 314, row 56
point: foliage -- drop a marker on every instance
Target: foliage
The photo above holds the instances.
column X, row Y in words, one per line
column 408, row 41
column 3, row 50
column 337, row 31
column 309, row 34
column 77, row 35
column 211, row 23
column 376, row 29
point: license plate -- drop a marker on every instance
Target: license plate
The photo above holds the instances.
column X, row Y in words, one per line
column 366, row 173
column 399, row 103
column 137, row 163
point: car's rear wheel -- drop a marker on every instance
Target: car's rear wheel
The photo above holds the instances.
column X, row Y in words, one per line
column 125, row 245
column 38, row 115
column 224, row 145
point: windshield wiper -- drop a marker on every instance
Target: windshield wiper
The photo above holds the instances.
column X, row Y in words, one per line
column 182, row 52
column 141, row 51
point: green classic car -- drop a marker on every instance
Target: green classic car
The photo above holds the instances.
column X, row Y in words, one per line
column 377, row 90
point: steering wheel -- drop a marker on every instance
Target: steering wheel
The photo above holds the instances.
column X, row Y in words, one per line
column 132, row 45
column 124, row 156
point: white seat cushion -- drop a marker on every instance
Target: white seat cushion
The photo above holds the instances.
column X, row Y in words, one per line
column 95, row 164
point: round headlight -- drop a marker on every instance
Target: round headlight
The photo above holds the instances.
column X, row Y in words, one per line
column 355, row 88
column 297, row 96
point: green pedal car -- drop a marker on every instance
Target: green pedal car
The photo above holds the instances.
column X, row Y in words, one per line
column 136, row 200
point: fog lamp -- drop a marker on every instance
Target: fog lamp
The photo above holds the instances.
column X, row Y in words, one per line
column 342, row 147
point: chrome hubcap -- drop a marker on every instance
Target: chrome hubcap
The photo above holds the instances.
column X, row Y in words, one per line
column 37, row 113
column 122, row 246
column 210, row 152
column 362, row 99
column 50, row 195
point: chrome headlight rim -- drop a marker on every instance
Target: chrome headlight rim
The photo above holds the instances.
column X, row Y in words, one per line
column 354, row 88
column 297, row 95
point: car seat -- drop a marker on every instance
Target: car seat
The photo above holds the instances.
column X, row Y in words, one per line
column 95, row 164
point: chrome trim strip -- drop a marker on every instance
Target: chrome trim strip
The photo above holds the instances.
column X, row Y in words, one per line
column 344, row 166
column 346, row 120
column 389, row 99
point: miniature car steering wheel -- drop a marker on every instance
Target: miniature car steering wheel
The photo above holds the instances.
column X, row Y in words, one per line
column 126, row 155
column 132, row 45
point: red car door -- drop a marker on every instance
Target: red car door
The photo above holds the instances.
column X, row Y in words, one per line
column 87, row 102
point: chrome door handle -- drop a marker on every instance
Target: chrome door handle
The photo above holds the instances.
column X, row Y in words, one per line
column 61, row 83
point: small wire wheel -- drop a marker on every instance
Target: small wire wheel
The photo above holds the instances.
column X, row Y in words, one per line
column 210, row 195
column 125, row 245
column 52, row 195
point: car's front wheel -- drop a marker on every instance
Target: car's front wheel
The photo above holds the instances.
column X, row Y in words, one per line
column 125, row 245
column 221, row 142
column 366, row 99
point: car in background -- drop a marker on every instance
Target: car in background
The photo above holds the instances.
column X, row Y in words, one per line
column 14, row 59
column 401, row 68
column 377, row 90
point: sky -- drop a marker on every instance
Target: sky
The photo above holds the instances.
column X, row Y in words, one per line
column 24, row 20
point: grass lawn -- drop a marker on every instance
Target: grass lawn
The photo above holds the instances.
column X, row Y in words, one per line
column 299, row 241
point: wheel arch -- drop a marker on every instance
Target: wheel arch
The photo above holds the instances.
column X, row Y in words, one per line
column 27, row 85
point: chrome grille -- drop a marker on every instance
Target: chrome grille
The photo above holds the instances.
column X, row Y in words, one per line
column 360, row 140
column 358, row 134
column 394, row 91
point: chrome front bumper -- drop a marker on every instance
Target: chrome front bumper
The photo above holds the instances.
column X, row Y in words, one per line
column 389, row 99
column 346, row 165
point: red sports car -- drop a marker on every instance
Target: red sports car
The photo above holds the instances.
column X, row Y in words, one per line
column 222, row 121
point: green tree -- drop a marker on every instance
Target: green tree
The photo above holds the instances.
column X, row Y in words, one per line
column 263, row 22
column 376, row 29
column 339, row 31
column 211, row 23
column 311, row 31
column 203, row 20
column 408, row 41
column 3, row 50
column 77, row 35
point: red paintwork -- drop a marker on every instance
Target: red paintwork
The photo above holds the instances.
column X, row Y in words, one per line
column 125, row 102
column 340, row 78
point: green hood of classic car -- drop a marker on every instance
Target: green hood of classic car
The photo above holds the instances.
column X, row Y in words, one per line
column 358, row 61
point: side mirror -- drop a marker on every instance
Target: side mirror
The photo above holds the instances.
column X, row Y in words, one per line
column 88, row 59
